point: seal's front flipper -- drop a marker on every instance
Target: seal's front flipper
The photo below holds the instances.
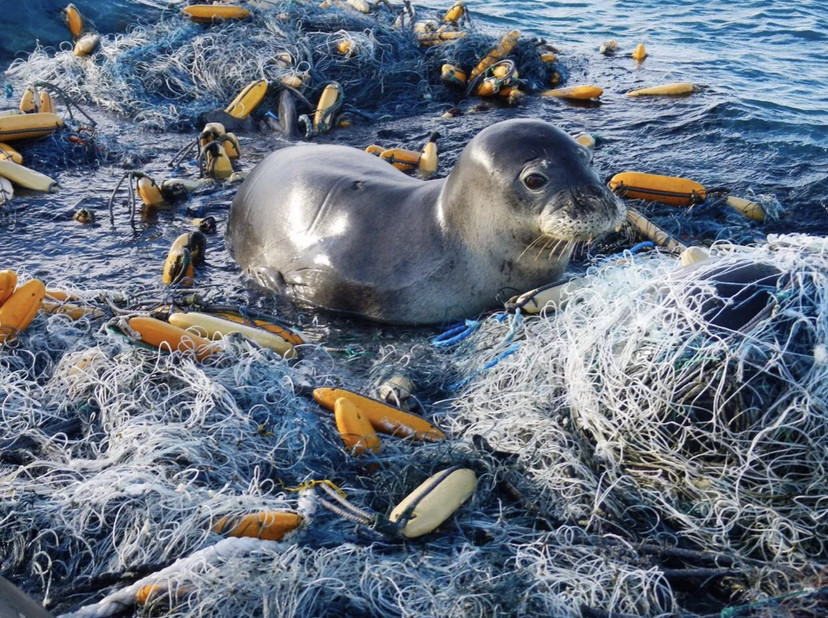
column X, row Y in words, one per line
column 269, row 278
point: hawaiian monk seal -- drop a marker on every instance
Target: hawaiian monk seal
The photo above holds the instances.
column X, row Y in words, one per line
column 343, row 230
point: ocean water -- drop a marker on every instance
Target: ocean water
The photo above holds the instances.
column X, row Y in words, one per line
column 758, row 126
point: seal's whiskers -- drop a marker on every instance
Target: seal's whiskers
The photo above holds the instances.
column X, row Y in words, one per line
column 543, row 237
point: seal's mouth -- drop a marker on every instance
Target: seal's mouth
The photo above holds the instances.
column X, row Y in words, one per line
column 576, row 215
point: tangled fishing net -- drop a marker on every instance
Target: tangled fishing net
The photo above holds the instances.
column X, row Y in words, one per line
column 167, row 73
column 631, row 413
column 629, row 448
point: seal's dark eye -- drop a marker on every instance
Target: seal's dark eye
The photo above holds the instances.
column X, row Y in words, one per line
column 534, row 181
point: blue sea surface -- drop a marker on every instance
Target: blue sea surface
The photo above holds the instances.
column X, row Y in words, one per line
column 758, row 127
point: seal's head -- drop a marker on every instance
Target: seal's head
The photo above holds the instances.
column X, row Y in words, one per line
column 531, row 169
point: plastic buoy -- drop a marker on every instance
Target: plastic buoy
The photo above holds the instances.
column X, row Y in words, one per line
column 655, row 187
column 429, row 158
column 503, row 49
column 639, row 53
column 207, row 13
column 456, row 12
column 158, row 333
column 74, row 20
column 276, row 329
column 752, row 210
column 384, row 418
column 28, row 126
column 266, row 525
column 434, row 501
column 211, row 326
column 356, row 430
column 429, row 39
column 678, row 88
column 27, row 178
column 586, row 140
column 8, row 283
column 7, row 153
column 582, row 93
column 20, row 308
column 247, row 100
column 452, row 74
column 87, row 44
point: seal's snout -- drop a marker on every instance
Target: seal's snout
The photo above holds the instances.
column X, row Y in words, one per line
column 582, row 213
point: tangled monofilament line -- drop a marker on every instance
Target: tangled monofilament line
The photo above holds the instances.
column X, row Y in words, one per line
column 623, row 427
column 166, row 74
column 634, row 408
column 133, row 455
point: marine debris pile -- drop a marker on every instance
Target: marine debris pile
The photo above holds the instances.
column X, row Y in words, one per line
column 630, row 450
column 167, row 73
column 655, row 444
column 657, row 407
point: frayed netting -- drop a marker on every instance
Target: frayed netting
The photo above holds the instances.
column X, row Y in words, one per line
column 626, row 450
column 166, row 74
column 631, row 413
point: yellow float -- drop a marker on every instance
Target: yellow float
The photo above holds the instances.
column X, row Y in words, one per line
column 503, row 49
column 27, row 178
column 8, row 283
column 247, row 100
column 434, row 501
column 675, row 89
column 356, row 430
column 7, row 153
column 266, row 525
column 639, row 53
column 384, row 418
column 276, row 329
column 208, row 13
column 211, row 327
column 28, row 126
column 20, row 308
column 654, row 187
column 160, row 334
column 580, row 93
column 677, row 192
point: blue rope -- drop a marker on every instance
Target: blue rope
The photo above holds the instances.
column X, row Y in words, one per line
column 508, row 352
column 516, row 321
column 647, row 244
column 456, row 334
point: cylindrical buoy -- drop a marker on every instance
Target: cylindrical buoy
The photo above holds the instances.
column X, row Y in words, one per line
column 653, row 232
column 675, row 89
column 586, row 140
column 657, row 188
column 356, row 430
column 583, row 93
column 20, row 308
column 752, row 210
column 639, row 53
column 428, row 158
column 384, row 418
column 504, row 47
column 434, row 501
